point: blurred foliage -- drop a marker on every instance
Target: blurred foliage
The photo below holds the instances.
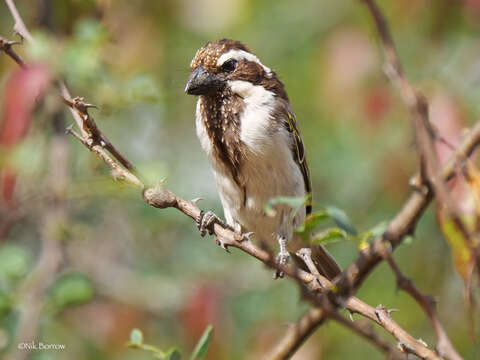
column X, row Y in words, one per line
column 199, row 352
column 126, row 265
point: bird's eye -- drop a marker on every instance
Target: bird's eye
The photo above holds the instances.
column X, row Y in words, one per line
column 229, row 66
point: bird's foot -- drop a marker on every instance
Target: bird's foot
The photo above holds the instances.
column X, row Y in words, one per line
column 206, row 220
column 282, row 259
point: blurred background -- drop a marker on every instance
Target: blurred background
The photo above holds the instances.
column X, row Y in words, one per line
column 84, row 260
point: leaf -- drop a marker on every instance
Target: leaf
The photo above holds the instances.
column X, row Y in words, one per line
column 173, row 354
column 136, row 341
column 136, row 337
column 294, row 202
column 341, row 219
column 329, row 236
column 72, row 289
column 311, row 222
column 14, row 261
column 23, row 90
column 379, row 229
column 201, row 349
column 473, row 180
column 462, row 256
column 363, row 238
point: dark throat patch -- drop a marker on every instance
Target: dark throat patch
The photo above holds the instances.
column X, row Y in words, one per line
column 221, row 114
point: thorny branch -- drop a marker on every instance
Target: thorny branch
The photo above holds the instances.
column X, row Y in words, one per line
column 417, row 105
column 161, row 197
column 428, row 304
column 400, row 226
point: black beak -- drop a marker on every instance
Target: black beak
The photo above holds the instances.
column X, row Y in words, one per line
column 202, row 82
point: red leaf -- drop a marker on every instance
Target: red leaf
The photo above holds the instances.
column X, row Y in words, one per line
column 7, row 180
column 202, row 307
column 22, row 91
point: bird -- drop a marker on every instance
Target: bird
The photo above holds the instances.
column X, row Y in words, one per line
column 249, row 132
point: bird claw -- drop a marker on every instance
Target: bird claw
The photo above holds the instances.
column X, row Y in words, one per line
column 282, row 259
column 205, row 221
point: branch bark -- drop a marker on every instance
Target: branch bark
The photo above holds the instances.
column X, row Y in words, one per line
column 428, row 304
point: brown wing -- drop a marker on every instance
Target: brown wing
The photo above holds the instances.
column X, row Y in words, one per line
column 299, row 154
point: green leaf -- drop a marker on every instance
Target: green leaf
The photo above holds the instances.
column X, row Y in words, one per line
column 294, row 202
column 329, row 236
column 173, row 354
column 408, row 240
column 201, row 349
column 72, row 289
column 136, row 337
column 14, row 261
column 363, row 238
column 312, row 220
column 341, row 219
column 379, row 229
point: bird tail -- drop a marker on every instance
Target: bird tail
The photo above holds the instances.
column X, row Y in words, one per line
column 325, row 262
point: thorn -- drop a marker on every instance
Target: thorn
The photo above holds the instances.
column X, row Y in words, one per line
column 416, row 184
column 79, row 103
column 222, row 244
column 389, row 311
column 69, row 129
column 196, row 200
column 246, row 236
column 350, row 315
column 421, row 341
column 6, row 44
column 90, row 106
column 17, row 33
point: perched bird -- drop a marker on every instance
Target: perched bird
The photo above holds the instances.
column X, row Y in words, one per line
column 248, row 130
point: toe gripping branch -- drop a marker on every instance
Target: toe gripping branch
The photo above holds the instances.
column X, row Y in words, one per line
column 205, row 222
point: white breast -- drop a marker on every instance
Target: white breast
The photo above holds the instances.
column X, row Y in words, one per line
column 269, row 169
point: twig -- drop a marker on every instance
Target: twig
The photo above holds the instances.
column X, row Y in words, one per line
column 366, row 331
column 296, row 335
column 427, row 302
column 6, row 46
column 417, row 105
column 77, row 106
column 404, row 222
column 19, row 26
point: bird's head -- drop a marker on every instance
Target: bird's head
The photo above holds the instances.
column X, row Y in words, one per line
column 219, row 65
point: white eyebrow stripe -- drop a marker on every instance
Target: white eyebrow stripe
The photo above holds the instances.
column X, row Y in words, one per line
column 240, row 55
